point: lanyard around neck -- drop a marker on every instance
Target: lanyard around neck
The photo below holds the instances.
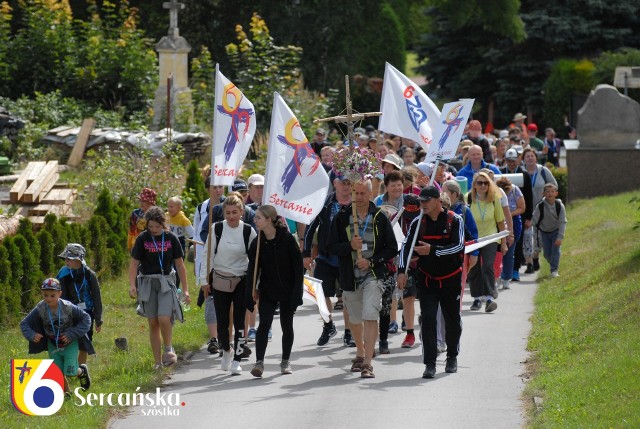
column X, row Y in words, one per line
column 364, row 228
column 482, row 213
column 159, row 251
column 75, row 285
column 53, row 327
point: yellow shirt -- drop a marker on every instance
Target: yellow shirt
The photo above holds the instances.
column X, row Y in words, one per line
column 487, row 215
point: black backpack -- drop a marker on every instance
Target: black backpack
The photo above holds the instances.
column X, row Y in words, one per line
column 246, row 234
column 541, row 208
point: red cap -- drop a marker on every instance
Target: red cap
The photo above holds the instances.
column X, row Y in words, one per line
column 532, row 127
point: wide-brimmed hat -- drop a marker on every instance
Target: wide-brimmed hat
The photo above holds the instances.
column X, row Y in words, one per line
column 519, row 117
column 394, row 160
column 148, row 195
column 73, row 251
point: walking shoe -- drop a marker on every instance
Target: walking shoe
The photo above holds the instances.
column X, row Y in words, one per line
column 347, row 339
column 383, row 346
column 393, row 327
column 452, row 365
column 246, row 351
column 554, row 274
column 515, row 276
column 285, row 367
column 536, row 264
column 491, row 305
column 339, row 305
column 367, row 372
column 529, row 269
column 441, row 348
column 85, row 380
column 212, row 346
column 430, row 371
column 409, row 341
column 505, row 284
column 328, row 331
column 169, row 358
column 251, row 336
column 495, row 291
column 356, row 364
column 476, row 305
column 236, row 369
column 227, row 357
column 258, row 369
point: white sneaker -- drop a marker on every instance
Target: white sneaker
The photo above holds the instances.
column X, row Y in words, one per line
column 506, row 284
column 236, row 369
column 227, row 357
column 554, row 274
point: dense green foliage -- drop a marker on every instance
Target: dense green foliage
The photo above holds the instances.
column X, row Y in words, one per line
column 478, row 62
column 105, row 59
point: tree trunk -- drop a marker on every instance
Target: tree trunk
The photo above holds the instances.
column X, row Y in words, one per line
column 9, row 226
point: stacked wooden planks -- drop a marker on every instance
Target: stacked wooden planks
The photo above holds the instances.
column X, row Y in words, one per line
column 36, row 190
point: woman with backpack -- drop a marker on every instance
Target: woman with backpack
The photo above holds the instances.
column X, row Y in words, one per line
column 226, row 250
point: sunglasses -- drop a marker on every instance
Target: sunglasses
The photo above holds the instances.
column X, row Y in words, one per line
column 482, row 183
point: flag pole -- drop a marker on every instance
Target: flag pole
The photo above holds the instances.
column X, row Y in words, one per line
column 351, row 140
column 212, row 173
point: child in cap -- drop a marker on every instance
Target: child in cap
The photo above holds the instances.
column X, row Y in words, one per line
column 58, row 326
column 80, row 286
column 179, row 224
column 137, row 223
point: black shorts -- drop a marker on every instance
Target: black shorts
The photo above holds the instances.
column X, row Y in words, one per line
column 329, row 276
column 410, row 289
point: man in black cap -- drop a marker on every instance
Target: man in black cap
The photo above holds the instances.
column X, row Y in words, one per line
column 440, row 249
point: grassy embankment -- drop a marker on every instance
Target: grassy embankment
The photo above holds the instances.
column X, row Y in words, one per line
column 585, row 338
column 111, row 370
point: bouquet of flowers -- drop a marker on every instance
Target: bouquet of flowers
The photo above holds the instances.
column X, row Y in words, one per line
column 357, row 164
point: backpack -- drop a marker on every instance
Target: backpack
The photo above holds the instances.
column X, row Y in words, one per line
column 246, row 234
column 541, row 208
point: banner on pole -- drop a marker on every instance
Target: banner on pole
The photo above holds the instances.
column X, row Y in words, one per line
column 296, row 184
column 450, row 127
column 313, row 292
column 406, row 109
column 234, row 125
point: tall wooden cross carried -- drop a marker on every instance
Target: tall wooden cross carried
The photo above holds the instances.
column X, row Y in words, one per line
column 174, row 7
column 350, row 119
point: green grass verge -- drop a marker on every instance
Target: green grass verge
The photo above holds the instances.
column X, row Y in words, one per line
column 111, row 370
column 584, row 340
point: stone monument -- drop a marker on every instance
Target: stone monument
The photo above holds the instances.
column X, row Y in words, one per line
column 173, row 51
column 607, row 160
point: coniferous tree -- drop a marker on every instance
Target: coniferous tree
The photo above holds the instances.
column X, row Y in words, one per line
column 48, row 259
column 14, row 290
column 5, row 291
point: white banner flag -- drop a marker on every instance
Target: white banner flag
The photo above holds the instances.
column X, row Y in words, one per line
column 234, row 124
column 296, row 184
column 313, row 292
column 450, row 127
column 406, row 110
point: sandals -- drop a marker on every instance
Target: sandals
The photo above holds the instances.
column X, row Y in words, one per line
column 339, row 305
column 367, row 372
column 169, row 358
column 356, row 364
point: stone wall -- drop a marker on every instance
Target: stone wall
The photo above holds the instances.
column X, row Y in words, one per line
column 596, row 172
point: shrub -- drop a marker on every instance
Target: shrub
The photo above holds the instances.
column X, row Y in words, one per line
column 31, row 277
column 59, row 234
column 16, row 273
column 5, row 291
column 116, row 233
column 48, row 258
column 561, row 176
column 101, row 256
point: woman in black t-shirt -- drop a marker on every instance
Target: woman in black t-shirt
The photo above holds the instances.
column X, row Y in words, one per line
column 152, row 257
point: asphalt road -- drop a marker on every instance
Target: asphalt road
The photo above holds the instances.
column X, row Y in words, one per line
column 322, row 392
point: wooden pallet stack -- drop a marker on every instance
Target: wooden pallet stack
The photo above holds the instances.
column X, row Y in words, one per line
column 37, row 191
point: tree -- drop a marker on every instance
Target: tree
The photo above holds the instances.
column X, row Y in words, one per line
column 48, row 259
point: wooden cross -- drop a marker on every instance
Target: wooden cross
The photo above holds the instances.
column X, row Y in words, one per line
column 350, row 119
column 174, row 7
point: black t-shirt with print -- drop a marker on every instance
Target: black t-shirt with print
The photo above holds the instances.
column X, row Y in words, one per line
column 149, row 251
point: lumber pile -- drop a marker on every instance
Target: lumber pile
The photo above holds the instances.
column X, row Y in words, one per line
column 9, row 226
column 38, row 192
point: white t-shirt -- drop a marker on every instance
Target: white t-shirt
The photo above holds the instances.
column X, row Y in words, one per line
column 231, row 257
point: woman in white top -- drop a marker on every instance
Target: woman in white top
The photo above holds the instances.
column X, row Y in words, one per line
column 228, row 260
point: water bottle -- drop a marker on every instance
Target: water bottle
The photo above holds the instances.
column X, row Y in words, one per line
column 182, row 300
